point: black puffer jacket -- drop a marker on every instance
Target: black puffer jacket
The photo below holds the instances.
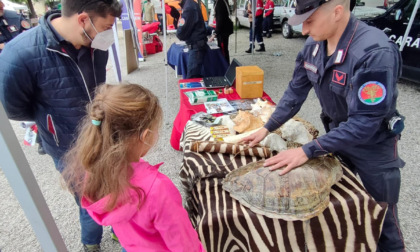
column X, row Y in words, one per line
column 40, row 82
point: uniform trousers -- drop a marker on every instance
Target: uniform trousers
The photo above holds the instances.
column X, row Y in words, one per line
column 196, row 56
column 223, row 44
column 258, row 30
column 268, row 24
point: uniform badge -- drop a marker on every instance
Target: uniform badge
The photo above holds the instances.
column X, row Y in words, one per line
column 339, row 77
column 181, row 22
column 372, row 93
column 12, row 28
column 310, row 67
column 25, row 24
column 339, row 56
column 315, row 51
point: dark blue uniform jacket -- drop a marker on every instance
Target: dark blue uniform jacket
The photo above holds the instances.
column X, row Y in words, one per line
column 11, row 26
column 191, row 27
column 357, row 90
column 40, row 82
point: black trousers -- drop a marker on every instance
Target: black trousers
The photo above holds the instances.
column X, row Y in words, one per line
column 268, row 24
column 223, row 44
column 258, row 31
column 195, row 60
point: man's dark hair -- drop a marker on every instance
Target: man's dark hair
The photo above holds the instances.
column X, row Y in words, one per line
column 93, row 7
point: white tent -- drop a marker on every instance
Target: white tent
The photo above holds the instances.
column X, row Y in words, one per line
column 8, row 5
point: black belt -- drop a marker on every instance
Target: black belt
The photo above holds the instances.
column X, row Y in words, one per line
column 197, row 44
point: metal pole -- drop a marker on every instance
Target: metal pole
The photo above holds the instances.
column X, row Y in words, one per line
column 235, row 5
column 114, row 52
column 410, row 23
column 17, row 171
column 253, row 8
column 166, row 57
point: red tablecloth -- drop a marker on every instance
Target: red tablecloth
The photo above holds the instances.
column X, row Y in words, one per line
column 186, row 110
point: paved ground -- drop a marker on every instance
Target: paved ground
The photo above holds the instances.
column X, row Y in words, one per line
column 16, row 233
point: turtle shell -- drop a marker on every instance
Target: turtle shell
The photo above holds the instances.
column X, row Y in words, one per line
column 300, row 194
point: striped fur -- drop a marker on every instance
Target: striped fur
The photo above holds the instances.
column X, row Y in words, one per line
column 352, row 221
column 230, row 148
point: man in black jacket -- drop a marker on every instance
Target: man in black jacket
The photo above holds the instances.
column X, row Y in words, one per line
column 192, row 30
column 224, row 26
column 49, row 73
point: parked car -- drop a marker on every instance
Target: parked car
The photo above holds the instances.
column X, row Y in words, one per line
column 287, row 10
column 242, row 13
column 394, row 22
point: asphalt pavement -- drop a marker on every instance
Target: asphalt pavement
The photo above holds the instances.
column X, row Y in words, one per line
column 16, row 233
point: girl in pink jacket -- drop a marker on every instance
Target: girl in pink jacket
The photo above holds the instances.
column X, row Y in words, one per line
column 117, row 187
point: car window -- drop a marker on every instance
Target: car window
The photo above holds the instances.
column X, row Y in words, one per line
column 408, row 10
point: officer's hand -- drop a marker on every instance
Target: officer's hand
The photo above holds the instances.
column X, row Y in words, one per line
column 256, row 137
column 288, row 160
column 1, row 46
column 212, row 38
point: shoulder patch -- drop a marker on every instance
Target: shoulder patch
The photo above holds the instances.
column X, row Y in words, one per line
column 372, row 93
column 25, row 24
column 181, row 22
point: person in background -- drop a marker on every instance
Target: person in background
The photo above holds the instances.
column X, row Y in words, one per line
column 11, row 25
column 171, row 10
column 149, row 12
column 258, row 26
column 268, row 18
column 117, row 187
column 224, row 27
column 49, row 73
column 192, row 30
column 353, row 69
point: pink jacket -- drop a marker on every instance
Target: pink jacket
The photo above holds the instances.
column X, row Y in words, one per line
column 161, row 223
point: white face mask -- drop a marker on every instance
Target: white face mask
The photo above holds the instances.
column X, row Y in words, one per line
column 102, row 40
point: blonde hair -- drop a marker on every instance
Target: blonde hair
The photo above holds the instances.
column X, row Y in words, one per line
column 98, row 163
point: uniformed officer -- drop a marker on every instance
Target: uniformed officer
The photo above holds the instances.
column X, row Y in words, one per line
column 353, row 69
column 11, row 25
column 258, row 29
column 192, row 30
column 268, row 18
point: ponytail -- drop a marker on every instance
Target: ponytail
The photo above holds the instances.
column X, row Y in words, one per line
column 117, row 115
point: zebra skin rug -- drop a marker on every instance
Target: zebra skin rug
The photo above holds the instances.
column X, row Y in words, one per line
column 351, row 222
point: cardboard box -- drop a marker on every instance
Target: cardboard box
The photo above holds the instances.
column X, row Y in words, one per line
column 249, row 81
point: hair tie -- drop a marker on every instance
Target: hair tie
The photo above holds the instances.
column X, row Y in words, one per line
column 96, row 122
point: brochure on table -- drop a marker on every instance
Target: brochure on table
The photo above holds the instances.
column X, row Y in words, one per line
column 219, row 106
